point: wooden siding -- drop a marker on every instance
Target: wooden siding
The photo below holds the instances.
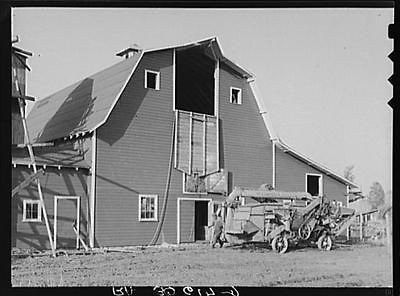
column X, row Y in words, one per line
column 53, row 182
column 72, row 153
column 133, row 150
column 187, row 221
column 201, row 131
column 17, row 129
column 20, row 69
column 246, row 151
column 291, row 176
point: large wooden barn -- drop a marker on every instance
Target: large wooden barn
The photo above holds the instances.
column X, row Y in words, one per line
column 148, row 148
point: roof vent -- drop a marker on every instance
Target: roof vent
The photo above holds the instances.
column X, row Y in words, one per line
column 130, row 51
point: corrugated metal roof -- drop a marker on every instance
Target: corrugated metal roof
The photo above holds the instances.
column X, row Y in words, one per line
column 82, row 106
column 65, row 155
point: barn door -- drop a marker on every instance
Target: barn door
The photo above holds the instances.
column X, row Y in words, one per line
column 66, row 215
column 196, row 143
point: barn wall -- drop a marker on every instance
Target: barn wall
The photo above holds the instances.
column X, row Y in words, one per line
column 53, row 182
column 291, row 176
column 246, row 151
column 187, row 225
column 133, row 151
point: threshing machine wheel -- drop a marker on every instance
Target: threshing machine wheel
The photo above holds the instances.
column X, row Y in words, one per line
column 280, row 244
column 324, row 242
column 305, row 231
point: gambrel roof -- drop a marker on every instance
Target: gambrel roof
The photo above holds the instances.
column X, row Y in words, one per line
column 85, row 105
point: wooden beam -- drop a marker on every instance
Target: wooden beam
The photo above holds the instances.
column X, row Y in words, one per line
column 29, row 98
column 26, row 182
column 36, row 145
column 204, row 144
column 190, row 142
column 80, row 238
column 92, row 190
column 176, row 138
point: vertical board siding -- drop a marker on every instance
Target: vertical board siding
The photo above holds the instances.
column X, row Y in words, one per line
column 53, row 182
column 187, row 224
column 244, row 141
column 291, row 176
column 20, row 69
column 199, row 129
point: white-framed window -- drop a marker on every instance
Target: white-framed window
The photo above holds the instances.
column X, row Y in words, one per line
column 235, row 96
column 152, row 79
column 314, row 184
column 148, row 207
column 32, row 211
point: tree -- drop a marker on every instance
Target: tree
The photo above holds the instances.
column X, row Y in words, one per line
column 376, row 196
column 348, row 173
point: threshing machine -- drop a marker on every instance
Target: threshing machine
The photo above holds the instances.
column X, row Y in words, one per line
column 279, row 218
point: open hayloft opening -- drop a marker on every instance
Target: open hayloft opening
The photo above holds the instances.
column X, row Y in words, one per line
column 194, row 84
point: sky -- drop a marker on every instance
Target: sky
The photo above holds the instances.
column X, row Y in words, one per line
column 321, row 73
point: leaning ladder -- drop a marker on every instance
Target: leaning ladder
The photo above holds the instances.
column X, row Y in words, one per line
column 21, row 104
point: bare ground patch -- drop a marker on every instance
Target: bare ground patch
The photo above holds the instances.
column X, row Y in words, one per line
column 198, row 265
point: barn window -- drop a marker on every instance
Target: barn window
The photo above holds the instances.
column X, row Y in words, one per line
column 236, row 96
column 31, row 211
column 148, row 207
column 152, row 79
column 314, row 184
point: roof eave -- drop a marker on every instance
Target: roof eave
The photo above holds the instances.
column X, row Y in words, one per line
column 313, row 163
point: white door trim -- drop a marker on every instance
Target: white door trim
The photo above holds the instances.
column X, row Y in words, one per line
column 178, row 215
column 78, row 205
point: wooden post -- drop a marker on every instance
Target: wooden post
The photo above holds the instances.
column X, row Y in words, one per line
column 216, row 100
column 274, row 164
column 388, row 232
column 347, row 205
column 204, row 144
column 32, row 157
column 78, row 214
column 93, row 189
column 176, row 138
column 361, row 227
column 190, row 141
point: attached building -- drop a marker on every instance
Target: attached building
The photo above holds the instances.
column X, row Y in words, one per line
column 165, row 134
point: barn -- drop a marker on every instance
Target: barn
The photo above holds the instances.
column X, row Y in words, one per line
column 146, row 150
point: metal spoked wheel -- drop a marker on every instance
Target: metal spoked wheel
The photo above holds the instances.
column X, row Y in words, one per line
column 280, row 244
column 324, row 242
column 305, row 231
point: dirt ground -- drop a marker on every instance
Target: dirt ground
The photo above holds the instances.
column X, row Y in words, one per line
column 198, row 265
